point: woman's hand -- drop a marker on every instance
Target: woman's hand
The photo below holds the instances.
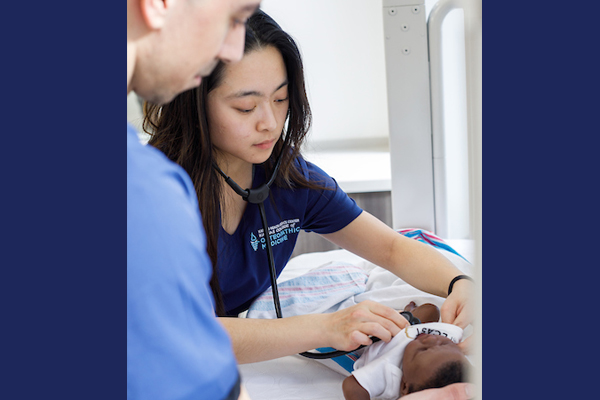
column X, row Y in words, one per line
column 458, row 309
column 351, row 327
column 257, row 340
column 455, row 391
column 467, row 345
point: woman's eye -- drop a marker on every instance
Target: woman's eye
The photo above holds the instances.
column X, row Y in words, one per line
column 282, row 100
column 244, row 110
column 238, row 22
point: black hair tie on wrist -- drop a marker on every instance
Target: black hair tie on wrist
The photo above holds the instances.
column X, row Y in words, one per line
column 459, row 277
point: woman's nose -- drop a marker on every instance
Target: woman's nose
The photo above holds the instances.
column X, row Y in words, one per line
column 267, row 121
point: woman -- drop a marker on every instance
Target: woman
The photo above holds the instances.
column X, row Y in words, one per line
column 234, row 124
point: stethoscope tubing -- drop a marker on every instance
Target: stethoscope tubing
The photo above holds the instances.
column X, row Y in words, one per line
column 272, row 270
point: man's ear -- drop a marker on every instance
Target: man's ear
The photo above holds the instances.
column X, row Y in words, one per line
column 154, row 12
column 403, row 387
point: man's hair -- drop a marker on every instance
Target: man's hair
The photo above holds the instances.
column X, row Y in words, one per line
column 451, row 372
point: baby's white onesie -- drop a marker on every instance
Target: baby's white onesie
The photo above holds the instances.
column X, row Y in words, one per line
column 378, row 369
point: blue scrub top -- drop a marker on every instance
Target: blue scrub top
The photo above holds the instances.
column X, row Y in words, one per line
column 176, row 349
column 242, row 259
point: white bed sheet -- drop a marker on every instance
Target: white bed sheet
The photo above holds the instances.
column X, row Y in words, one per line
column 299, row 378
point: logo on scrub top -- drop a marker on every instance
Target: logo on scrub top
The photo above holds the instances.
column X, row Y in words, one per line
column 254, row 241
column 278, row 233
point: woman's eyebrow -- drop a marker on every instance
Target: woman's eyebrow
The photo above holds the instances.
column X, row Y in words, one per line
column 280, row 86
column 245, row 93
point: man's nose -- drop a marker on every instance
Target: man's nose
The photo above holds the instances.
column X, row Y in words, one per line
column 233, row 47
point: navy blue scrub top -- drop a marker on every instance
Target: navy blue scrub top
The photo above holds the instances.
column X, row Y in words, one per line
column 242, row 259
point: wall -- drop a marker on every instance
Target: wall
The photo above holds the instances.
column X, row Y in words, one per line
column 342, row 46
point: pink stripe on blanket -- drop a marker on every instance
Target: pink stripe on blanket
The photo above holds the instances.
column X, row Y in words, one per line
column 293, row 291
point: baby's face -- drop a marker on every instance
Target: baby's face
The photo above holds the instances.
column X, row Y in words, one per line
column 424, row 355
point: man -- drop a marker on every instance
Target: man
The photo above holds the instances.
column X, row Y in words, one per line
column 176, row 349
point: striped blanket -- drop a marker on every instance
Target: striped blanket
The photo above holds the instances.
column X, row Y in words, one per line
column 337, row 285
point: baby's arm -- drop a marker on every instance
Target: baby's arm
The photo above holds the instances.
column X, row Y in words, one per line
column 353, row 390
column 425, row 312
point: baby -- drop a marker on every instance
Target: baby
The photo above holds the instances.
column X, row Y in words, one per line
column 420, row 357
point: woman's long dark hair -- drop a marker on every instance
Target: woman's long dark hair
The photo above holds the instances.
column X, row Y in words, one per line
column 180, row 130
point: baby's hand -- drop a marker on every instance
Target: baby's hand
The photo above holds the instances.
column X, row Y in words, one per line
column 425, row 312
column 410, row 306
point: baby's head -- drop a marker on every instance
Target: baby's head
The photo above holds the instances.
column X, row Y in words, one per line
column 432, row 361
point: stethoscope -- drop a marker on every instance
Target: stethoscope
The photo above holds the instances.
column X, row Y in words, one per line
column 258, row 196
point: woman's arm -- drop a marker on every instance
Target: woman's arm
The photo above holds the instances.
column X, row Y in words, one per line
column 416, row 263
column 265, row 339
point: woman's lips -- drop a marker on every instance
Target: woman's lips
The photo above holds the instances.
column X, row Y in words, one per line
column 266, row 144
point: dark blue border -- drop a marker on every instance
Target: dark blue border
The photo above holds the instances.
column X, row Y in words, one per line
column 63, row 163
column 540, row 182
column 64, row 209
